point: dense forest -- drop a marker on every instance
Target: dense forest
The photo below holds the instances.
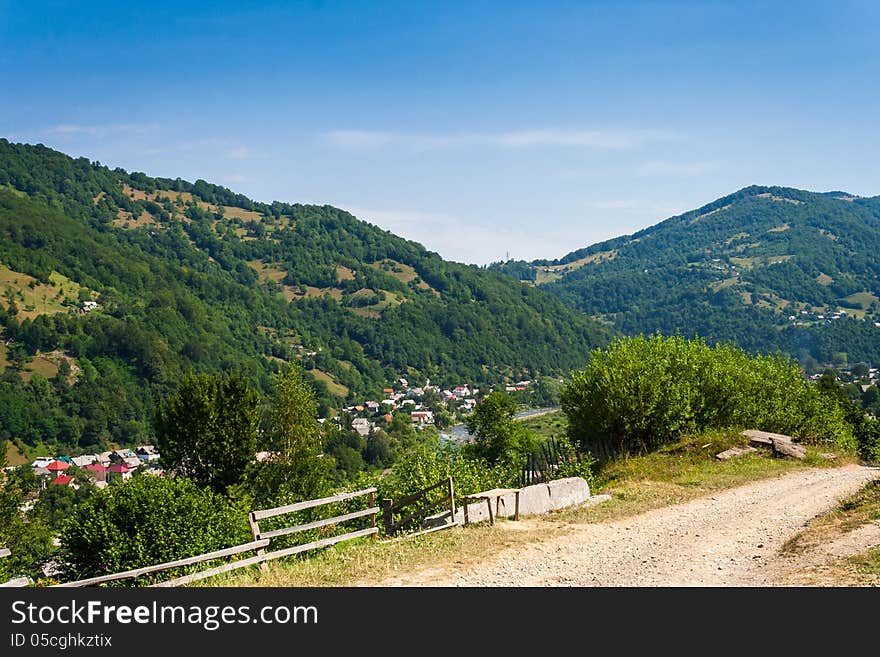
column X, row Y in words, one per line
column 768, row 268
column 114, row 285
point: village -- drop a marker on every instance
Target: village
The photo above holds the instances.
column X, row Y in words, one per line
column 423, row 406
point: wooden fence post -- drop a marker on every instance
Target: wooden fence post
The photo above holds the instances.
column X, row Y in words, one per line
column 372, row 499
column 451, row 501
column 387, row 516
column 255, row 530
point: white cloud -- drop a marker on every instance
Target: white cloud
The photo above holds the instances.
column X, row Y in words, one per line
column 606, row 139
column 101, row 130
column 623, row 204
column 239, row 153
column 676, row 169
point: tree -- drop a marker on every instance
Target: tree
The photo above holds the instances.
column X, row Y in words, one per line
column 208, row 429
column 297, row 470
column 498, row 437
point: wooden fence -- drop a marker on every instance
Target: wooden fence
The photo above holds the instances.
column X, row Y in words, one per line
column 541, row 464
column 390, row 507
column 259, row 544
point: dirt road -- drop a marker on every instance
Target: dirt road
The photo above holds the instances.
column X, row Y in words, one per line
column 729, row 539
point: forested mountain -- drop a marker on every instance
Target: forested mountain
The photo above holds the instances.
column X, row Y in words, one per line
column 768, row 268
column 113, row 284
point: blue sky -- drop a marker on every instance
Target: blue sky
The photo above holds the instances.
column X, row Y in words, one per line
column 483, row 130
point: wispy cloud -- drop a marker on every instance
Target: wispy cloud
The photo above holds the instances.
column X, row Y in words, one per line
column 101, row 130
column 633, row 207
column 622, row 204
column 394, row 219
column 606, row 139
column 239, row 153
column 676, row 169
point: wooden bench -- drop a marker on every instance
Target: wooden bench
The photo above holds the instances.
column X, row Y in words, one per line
column 489, row 495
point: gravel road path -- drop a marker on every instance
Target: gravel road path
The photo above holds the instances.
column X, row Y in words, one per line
column 728, row 539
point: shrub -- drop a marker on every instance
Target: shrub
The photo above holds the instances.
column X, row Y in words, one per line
column 148, row 520
column 643, row 392
column 425, row 466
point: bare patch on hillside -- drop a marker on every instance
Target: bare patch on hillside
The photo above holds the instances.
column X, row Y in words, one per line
column 727, row 282
column 333, row 385
column 780, row 199
column 709, row 214
column 828, row 234
column 404, row 273
column 33, row 297
column 553, row 272
column 268, row 272
column 779, row 229
column 125, row 219
column 344, row 273
column 824, row 279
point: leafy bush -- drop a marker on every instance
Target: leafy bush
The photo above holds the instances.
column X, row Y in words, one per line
column 643, row 392
column 425, row 466
column 148, row 520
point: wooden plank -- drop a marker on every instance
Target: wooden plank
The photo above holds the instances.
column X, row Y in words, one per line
column 416, row 514
column 320, row 523
column 16, row 583
column 255, row 530
column 137, row 572
column 308, row 504
column 409, row 499
column 4, row 552
column 451, row 499
column 422, row 532
column 225, row 568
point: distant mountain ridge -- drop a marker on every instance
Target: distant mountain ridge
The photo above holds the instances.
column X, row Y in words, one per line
column 192, row 276
column 770, row 268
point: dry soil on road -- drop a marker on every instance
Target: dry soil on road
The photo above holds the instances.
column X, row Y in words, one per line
column 732, row 538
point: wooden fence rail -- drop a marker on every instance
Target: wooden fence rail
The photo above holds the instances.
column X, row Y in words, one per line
column 189, row 561
column 390, row 506
column 255, row 516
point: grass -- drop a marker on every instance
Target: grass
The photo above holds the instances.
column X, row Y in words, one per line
column 40, row 365
column 864, row 299
column 403, row 272
column 550, row 425
column 554, row 272
column 333, row 385
column 14, row 455
column 34, row 298
column 678, row 473
column 851, row 514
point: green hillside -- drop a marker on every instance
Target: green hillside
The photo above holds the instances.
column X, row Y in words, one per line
column 768, row 268
column 193, row 276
